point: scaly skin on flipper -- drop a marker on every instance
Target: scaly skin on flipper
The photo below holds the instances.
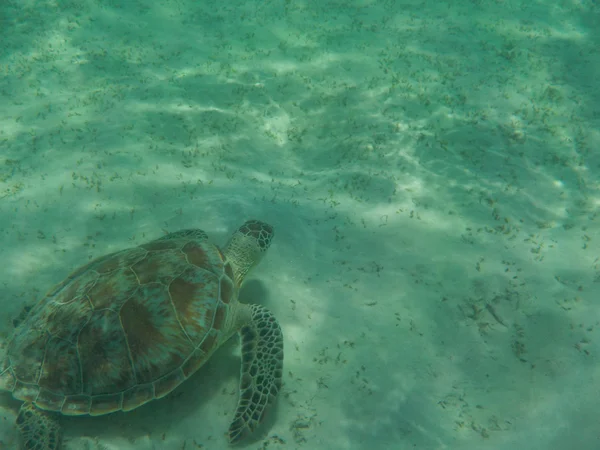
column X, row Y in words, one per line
column 40, row 429
column 262, row 367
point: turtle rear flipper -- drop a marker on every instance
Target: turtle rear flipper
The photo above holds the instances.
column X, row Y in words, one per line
column 40, row 429
column 262, row 367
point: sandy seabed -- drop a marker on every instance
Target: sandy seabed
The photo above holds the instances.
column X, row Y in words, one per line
column 431, row 170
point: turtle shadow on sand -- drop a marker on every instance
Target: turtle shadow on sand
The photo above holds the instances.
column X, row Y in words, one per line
column 161, row 417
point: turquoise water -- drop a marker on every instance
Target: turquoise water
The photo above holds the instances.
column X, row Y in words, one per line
column 431, row 170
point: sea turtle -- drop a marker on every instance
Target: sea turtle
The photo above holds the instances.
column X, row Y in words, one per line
column 129, row 327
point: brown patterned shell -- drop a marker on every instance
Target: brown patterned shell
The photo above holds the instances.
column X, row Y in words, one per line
column 123, row 330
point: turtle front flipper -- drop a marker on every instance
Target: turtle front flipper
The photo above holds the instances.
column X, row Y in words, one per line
column 262, row 366
column 40, row 429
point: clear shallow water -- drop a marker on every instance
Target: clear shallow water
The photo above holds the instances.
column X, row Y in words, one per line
column 430, row 168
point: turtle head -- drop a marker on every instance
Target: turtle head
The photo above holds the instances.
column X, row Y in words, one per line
column 247, row 246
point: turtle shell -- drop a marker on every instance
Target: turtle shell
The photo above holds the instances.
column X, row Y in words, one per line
column 122, row 330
